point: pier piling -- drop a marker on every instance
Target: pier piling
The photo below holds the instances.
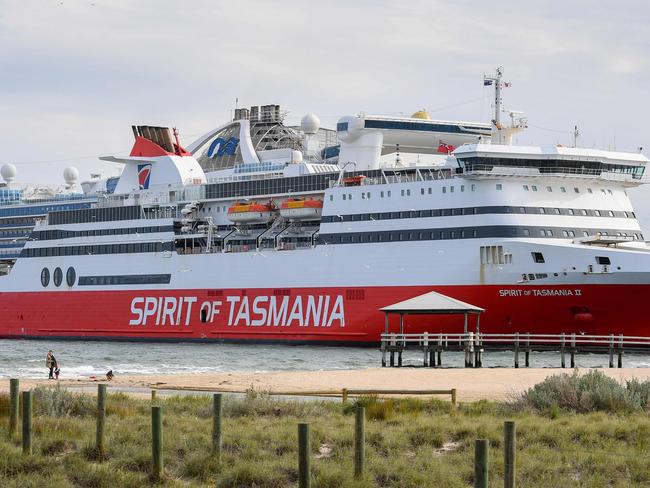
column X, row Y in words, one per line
column 481, row 454
column 156, row 443
column 304, row 468
column 562, row 342
column 217, row 410
column 101, row 419
column 517, row 350
column 27, row 422
column 509, row 453
column 14, row 393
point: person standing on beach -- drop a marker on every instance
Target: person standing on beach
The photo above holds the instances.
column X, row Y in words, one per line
column 50, row 363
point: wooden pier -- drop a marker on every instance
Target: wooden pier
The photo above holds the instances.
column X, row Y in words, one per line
column 476, row 344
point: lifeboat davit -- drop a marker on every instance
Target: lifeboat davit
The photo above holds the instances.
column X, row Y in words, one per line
column 251, row 212
column 301, row 209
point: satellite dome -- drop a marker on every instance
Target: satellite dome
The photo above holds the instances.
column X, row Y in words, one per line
column 421, row 114
column 8, row 172
column 310, row 124
column 71, row 175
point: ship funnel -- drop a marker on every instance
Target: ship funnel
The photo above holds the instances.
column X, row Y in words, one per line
column 158, row 135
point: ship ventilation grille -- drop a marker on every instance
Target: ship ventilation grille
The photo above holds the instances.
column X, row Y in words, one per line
column 355, row 294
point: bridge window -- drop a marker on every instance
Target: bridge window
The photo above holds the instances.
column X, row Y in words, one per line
column 538, row 257
column 534, row 188
column 603, row 260
column 549, row 189
column 562, row 189
column 525, row 187
column 576, row 189
column 597, row 213
column 589, row 190
column 499, row 186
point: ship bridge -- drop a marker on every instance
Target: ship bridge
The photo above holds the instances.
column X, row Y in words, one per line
column 497, row 161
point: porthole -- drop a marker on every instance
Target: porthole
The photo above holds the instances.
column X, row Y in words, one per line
column 58, row 277
column 45, row 277
column 70, row 276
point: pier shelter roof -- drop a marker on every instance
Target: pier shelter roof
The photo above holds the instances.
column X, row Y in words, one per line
column 432, row 303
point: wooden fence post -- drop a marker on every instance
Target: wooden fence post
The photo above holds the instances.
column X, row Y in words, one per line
column 481, row 460
column 344, row 395
column 453, row 397
column 217, row 410
column 27, row 422
column 304, row 469
column 156, row 443
column 153, row 396
column 14, row 393
column 509, row 454
column 101, row 419
column 359, row 442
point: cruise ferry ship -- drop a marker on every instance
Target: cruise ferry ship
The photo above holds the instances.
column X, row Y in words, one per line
column 259, row 231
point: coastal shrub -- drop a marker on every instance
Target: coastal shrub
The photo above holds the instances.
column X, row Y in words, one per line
column 261, row 404
column 590, row 392
column 59, row 402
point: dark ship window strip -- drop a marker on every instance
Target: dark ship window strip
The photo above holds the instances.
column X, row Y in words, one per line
column 308, row 183
column 134, row 247
column 42, row 209
column 425, row 127
column 490, row 231
column 104, row 214
column 449, row 212
column 148, row 279
column 49, row 235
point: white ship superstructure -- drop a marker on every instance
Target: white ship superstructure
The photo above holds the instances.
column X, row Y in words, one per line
column 269, row 233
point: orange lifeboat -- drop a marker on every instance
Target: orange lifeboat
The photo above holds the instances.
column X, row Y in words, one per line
column 301, row 209
column 251, row 212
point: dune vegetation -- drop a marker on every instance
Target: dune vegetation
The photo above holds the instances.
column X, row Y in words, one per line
column 570, row 432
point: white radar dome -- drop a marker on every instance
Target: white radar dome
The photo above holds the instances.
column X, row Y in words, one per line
column 310, row 124
column 8, row 172
column 71, row 175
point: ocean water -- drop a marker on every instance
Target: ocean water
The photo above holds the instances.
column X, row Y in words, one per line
column 26, row 358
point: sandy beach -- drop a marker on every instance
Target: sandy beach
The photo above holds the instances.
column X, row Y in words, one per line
column 471, row 384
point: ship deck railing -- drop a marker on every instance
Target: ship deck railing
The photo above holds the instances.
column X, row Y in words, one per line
column 474, row 344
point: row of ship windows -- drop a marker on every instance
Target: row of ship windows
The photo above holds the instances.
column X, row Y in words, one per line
column 47, row 235
column 467, row 233
column 138, row 247
column 424, row 191
column 448, row 212
column 71, row 276
column 563, row 189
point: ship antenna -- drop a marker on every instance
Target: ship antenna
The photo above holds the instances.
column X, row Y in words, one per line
column 576, row 134
column 496, row 82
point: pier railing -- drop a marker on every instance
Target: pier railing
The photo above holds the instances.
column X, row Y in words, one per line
column 474, row 344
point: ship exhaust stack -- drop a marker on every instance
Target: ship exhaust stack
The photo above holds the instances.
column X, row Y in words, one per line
column 161, row 136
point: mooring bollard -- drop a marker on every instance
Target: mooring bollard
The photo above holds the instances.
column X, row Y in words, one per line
column 217, row 410
column 14, row 393
column 27, row 422
column 509, row 453
column 304, row 469
column 359, row 442
column 481, row 454
column 156, row 443
column 101, row 419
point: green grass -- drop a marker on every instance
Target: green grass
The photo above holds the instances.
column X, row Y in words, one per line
column 409, row 443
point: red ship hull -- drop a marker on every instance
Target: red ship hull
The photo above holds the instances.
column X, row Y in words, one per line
column 315, row 315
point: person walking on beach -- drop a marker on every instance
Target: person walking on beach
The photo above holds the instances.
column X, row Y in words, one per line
column 50, row 363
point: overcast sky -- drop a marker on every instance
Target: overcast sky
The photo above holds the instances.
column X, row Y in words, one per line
column 74, row 75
